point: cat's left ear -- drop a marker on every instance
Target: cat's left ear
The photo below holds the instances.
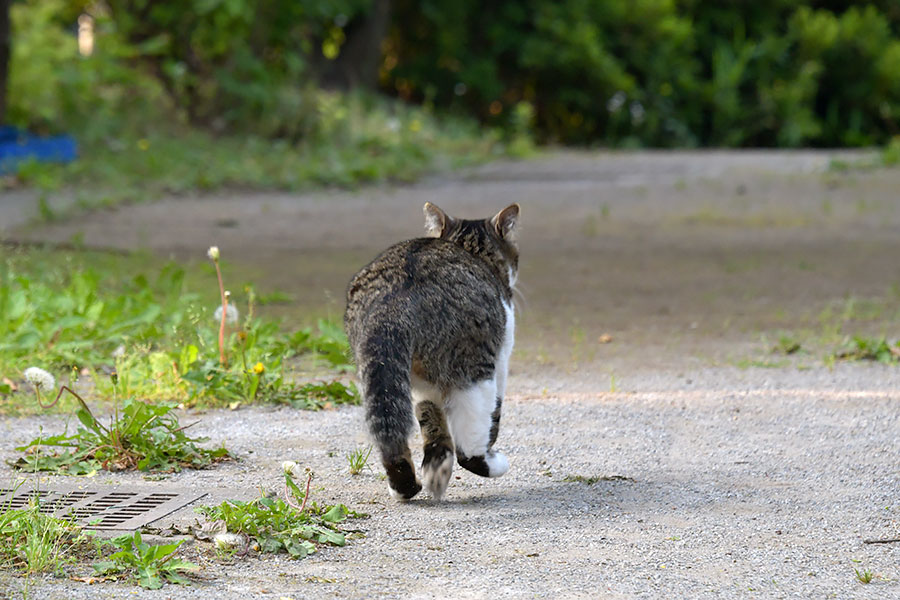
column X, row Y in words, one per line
column 436, row 220
column 506, row 222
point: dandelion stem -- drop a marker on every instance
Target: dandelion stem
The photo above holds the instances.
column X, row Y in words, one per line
column 224, row 313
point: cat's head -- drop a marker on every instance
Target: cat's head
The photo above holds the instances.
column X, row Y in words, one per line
column 493, row 239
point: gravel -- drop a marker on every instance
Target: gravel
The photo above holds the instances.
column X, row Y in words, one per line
column 764, row 488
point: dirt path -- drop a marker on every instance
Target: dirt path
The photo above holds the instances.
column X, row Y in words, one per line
column 735, row 483
column 764, row 488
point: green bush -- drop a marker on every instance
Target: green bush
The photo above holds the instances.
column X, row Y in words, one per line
column 658, row 72
column 613, row 72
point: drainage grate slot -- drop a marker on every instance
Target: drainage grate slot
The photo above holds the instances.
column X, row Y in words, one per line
column 127, row 509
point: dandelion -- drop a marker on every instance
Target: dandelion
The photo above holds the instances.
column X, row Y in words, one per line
column 213, row 254
column 259, row 368
column 40, row 379
column 231, row 314
column 289, row 467
column 228, row 541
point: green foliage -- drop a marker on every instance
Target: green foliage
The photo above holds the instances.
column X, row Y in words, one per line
column 158, row 337
column 53, row 88
column 149, row 564
column 278, row 526
column 140, row 436
column 358, row 459
column 32, row 542
column 864, row 576
column 878, row 349
column 237, row 61
column 658, row 72
column 181, row 96
column 787, row 345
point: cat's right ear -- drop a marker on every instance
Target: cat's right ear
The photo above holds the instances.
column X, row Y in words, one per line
column 436, row 221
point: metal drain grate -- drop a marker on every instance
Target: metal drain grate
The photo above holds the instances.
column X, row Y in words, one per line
column 122, row 507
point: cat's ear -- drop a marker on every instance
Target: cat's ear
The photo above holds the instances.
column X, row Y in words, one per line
column 506, row 222
column 436, row 221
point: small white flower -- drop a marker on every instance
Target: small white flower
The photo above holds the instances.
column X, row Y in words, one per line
column 213, row 253
column 228, row 541
column 40, row 379
column 232, row 314
column 289, row 467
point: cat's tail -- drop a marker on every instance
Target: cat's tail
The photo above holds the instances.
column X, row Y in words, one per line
column 384, row 375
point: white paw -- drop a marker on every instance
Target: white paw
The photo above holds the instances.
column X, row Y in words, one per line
column 436, row 479
column 497, row 464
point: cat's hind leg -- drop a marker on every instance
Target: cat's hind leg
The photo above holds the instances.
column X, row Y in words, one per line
column 437, row 462
column 471, row 415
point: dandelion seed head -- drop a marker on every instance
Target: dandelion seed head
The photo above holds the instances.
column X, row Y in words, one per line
column 228, row 541
column 40, row 379
column 232, row 314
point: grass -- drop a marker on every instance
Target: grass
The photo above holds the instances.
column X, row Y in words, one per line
column 32, row 542
column 356, row 139
column 358, row 459
column 74, row 312
column 139, row 436
column 888, row 156
column 844, row 330
column 864, row 576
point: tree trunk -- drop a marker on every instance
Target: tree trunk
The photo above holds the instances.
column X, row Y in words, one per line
column 5, row 47
column 357, row 64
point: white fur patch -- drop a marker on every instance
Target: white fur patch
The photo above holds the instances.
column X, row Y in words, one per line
column 497, row 464
column 436, row 479
column 421, row 390
column 469, row 416
column 501, row 367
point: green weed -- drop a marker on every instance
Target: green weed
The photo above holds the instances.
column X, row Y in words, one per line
column 290, row 525
column 149, row 564
column 787, row 345
column 864, row 576
column 32, row 542
column 158, row 335
column 139, row 436
column 878, row 349
column 358, row 459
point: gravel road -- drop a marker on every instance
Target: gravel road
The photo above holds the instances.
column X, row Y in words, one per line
column 698, row 479
column 764, row 488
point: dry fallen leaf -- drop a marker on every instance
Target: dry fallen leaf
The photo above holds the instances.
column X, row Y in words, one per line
column 209, row 529
column 605, row 338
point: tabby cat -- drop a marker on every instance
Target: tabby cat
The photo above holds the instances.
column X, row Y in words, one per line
column 431, row 322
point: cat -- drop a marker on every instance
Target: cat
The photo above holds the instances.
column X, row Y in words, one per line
column 431, row 323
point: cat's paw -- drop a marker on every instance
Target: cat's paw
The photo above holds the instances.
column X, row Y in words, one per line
column 436, row 474
column 497, row 464
column 407, row 494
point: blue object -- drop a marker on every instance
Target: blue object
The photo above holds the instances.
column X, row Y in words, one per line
column 17, row 146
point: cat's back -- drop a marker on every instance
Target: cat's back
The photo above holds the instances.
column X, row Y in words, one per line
column 427, row 287
column 414, row 268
